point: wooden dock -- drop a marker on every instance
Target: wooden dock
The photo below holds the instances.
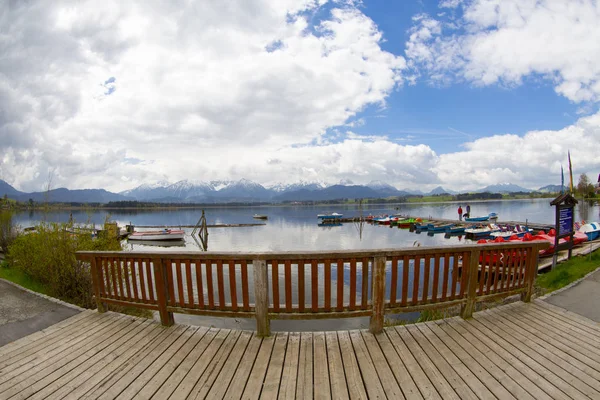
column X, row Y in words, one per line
column 518, row 351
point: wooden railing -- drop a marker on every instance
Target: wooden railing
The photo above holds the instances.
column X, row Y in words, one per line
column 313, row 285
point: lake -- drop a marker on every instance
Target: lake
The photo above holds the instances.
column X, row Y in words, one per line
column 294, row 228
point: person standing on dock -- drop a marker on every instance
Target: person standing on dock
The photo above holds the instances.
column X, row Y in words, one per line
column 468, row 209
column 459, row 213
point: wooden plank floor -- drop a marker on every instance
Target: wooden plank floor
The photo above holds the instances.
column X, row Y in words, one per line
column 518, row 351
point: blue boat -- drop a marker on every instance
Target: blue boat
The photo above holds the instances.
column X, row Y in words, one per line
column 482, row 219
column 330, row 216
column 439, row 226
column 458, row 229
column 591, row 230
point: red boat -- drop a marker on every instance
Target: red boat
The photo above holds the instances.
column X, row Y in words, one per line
column 578, row 238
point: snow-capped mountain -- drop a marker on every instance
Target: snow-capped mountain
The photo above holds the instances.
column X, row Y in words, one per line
column 287, row 187
column 378, row 185
column 198, row 191
column 385, row 189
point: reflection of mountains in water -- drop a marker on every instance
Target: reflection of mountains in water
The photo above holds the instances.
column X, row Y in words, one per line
column 159, row 243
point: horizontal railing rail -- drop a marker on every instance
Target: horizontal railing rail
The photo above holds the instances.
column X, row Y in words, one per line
column 313, row 285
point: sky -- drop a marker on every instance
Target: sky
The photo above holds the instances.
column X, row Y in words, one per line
column 417, row 94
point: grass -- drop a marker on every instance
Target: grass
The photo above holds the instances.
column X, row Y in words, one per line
column 568, row 271
column 20, row 278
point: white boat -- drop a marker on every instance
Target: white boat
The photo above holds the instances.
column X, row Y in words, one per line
column 161, row 243
column 591, row 230
column 260, row 216
column 482, row 231
column 518, row 230
column 163, row 234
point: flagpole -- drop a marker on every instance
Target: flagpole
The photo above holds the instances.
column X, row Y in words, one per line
column 562, row 180
column 570, row 170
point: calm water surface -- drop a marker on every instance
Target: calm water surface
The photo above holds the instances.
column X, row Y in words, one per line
column 292, row 228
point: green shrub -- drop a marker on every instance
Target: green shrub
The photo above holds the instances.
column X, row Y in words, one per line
column 8, row 232
column 48, row 257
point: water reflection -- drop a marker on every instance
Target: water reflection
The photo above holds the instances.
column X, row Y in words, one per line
column 294, row 228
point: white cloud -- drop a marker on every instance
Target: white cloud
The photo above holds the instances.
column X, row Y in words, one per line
column 450, row 3
column 266, row 91
column 532, row 161
column 237, row 79
column 506, row 41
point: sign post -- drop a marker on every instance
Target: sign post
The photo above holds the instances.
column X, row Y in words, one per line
column 565, row 204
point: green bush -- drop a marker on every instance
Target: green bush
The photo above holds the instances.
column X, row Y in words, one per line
column 47, row 255
column 8, row 231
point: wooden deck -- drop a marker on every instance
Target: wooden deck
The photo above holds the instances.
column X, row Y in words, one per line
column 520, row 351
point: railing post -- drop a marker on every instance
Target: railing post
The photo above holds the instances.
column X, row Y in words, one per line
column 162, row 291
column 261, row 297
column 471, row 270
column 96, row 283
column 378, row 299
column 530, row 273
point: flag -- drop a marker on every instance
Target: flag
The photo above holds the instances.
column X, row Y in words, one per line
column 562, row 180
column 570, row 171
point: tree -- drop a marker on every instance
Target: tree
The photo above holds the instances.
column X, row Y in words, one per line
column 584, row 187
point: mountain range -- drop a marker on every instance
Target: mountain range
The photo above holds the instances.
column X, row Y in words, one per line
column 244, row 190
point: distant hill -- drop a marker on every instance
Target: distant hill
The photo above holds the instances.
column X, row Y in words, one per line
column 440, row 190
column 503, row 188
column 550, row 189
column 63, row 195
column 8, row 190
column 331, row 193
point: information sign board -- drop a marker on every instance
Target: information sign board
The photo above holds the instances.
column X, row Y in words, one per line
column 565, row 221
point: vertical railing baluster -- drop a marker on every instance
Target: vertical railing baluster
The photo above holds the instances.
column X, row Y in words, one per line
column 327, row 285
column 314, row 285
column 275, row 284
column 353, row 278
column 340, row 285
column 378, row 303
column 162, row 291
column 233, row 285
column 261, row 297
column 394, row 282
column 469, row 306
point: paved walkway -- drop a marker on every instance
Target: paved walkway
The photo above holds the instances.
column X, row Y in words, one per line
column 22, row 312
column 582, row 298
column 518, row 351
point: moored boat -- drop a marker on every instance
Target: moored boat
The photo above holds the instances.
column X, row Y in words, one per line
column 484, row 218
column 591, row 230
column 458, row 228
column 508, row 232
column 330, row 216
column 163, row 234
column 407, row 222
column 481, row 231
column 260, row 216
column 439, row 227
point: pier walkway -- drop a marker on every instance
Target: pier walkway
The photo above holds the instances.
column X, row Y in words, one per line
column 521, row 350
